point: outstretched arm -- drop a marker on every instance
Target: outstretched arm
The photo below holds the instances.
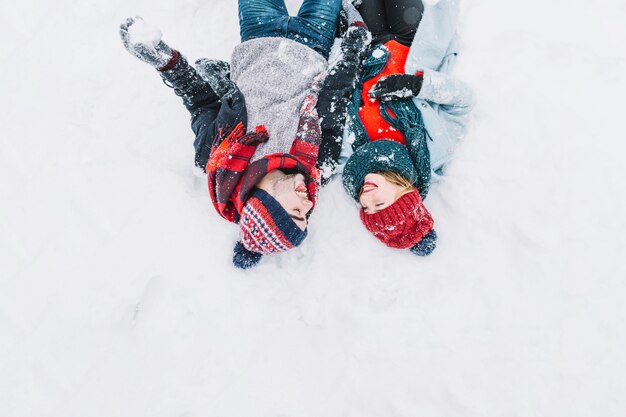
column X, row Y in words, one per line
column 434, row 51
column 430, row 85
column 444, row 89
column 210, row 113
column 337, row 91
column 451, row 98
column 212, row 117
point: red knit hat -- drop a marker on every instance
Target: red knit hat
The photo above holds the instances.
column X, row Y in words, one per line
column 401, row 225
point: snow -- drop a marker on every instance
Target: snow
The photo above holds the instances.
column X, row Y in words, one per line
column 141, row 32
column 402, row 93
column 378, row 53
column 117, row 296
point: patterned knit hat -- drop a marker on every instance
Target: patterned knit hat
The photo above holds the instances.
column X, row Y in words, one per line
column 265, row 228
column 406, row 224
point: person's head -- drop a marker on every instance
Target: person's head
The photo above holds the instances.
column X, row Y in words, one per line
column 382, row 189
column 291, row 192
column 392, row 210
column 274, row 218
column 381, row 176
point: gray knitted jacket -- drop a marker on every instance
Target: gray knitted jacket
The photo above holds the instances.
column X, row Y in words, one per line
column 275, row 75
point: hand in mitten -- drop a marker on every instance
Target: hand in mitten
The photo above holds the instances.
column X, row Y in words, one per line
column 397, row 86
column 209, row 68
column 216, row 73
column 144, row 42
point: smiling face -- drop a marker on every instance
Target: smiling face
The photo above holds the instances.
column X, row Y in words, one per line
column 291, row 192
column 380, row 190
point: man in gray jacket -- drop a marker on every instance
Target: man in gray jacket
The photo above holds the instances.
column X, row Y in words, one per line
column 258, row 133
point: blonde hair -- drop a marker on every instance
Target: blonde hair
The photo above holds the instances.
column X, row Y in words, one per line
column 399, row 180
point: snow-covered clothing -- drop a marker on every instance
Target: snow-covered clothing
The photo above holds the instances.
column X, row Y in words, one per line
column 275, row 75
column 412, row 222
column 235, row 148
column 233, row 175
column 400, row 214
column 377, row 156
column 313, row 26
column 386, row 131
column 390, row 59
column 444, row 101
column 336, row 95
column 233, row 170
column 260, row 114
column 407, row 220
column 265, row 225
column 226, row 150
column 419, row 131
column 212, row 116
column 397, row 86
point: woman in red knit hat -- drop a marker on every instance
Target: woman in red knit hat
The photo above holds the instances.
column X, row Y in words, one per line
column 406, row 118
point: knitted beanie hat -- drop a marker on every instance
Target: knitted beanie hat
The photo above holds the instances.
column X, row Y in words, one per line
column 403, row 225
column 265, row 228
column 377, row 156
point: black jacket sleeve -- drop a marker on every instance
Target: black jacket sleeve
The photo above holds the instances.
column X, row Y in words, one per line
column 210, row 113
column 336, row 94
column 207, row 121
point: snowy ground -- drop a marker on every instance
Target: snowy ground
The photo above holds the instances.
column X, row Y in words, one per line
column 117, row 297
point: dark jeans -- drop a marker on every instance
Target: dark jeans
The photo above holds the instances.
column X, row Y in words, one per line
column 392, row 19
column 314, row 26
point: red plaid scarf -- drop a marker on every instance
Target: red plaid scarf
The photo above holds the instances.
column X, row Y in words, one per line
column 232, row 177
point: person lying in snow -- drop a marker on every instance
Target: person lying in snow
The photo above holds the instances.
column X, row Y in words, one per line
column 257, row 128
column 406, row 118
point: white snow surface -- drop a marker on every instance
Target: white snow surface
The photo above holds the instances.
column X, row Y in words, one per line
column 117, row 294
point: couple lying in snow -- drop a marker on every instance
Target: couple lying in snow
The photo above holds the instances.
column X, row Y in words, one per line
column 270, row 126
